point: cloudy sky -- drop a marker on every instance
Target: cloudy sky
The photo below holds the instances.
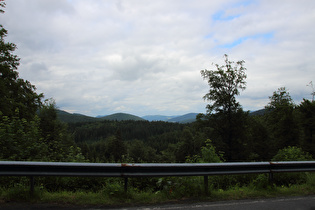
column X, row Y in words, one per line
column 144, row 57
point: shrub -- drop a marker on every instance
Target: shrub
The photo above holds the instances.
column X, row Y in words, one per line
column 291, row 154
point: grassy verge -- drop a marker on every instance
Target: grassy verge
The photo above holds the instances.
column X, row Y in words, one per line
column 132, row 197
column 155, row 191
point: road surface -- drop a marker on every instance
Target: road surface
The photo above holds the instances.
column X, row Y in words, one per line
column 287, row 203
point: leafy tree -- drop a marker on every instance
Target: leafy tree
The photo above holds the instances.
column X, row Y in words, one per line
column 280, row 99
column 15, row 92
column 223, row 113
column 280, row 119
column 257, row 137
column 139, row 152
column 209, row 154
column 307, row 121
column 60, row 143
column 186, row 146
column 292, row 154
column 23, row 134
column 21, row 140
column 116, row 147
column 225, row 84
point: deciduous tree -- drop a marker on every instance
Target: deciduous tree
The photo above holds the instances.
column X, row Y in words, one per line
column 280, row 120
column 15, row 92
column 224, row 112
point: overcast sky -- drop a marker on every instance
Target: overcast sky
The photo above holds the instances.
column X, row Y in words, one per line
column 144, row 57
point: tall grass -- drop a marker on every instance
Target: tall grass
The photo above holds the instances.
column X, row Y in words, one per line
column 110, row 191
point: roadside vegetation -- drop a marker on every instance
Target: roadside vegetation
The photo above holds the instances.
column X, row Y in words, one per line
column 157, row 190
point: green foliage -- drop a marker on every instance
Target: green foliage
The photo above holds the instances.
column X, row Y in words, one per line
column 310, row 179
column 292, row 154
column 225, row 114
column 261, row 182
column 40, row 139
column 281, row 121
column 24, row 135
column 21, row 139
column 280, row 99
column 225, row 83
column 61, row 146
column 139, row 152
column 75, row 118
column 15, row 92
column 209, row 155
column 177, row 187
column 307, row 122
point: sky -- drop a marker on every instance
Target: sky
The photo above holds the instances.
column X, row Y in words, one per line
column 142, row 57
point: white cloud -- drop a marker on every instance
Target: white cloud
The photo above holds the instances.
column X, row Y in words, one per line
column 101, row 57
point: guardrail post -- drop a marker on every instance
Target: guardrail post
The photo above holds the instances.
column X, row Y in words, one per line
column 31, row 186
column 270, row 178
column 205, row 180
column 126, row 184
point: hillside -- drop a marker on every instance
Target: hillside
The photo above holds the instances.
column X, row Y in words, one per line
column 158, row 117
column 121, row 116
column 187, row 118
column 73, row 118
column 258, row 112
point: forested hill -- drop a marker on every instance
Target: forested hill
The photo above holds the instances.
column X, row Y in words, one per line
column 67, row 117
column 121, row 116
column 74, row 118
column 187, row 118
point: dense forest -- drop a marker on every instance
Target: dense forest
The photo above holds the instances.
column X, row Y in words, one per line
column 30, row 128
column 259, row 137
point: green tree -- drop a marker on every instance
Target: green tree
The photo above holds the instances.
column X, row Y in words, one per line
column 292, row 154
column 307, row 121
column 15, row 92
column 224, row 113
column 209, row 154
column 140, row 152
column 61, row 145
column 282, row 126
column 21, row 140
column 116, row 147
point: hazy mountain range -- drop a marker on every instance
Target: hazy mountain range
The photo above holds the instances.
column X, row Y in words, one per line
column 73, row 118
column 186, row 118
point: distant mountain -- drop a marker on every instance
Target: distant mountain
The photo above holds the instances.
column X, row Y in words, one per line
column 158, row 117
column 73, row 118
column 121, row 116
column 187, row 118
column 100, row 116
column 258, row 112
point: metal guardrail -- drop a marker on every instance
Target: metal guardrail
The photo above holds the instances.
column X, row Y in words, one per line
column 31, row 169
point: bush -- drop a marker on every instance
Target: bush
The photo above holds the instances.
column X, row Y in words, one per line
column 291, row 154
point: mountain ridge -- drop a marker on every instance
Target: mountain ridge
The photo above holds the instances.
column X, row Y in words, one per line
column 186, row 118
column 75, row 117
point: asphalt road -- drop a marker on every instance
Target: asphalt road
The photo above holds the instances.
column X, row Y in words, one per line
column 287, row 203
column 291, row 203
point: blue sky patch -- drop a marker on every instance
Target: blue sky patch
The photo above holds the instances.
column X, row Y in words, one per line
column 265, row 38
column 220, row 16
